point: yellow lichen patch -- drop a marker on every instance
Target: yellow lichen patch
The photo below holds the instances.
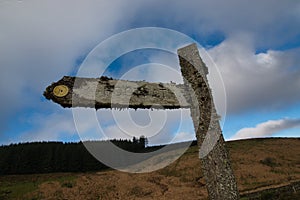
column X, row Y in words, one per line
column 60, row 90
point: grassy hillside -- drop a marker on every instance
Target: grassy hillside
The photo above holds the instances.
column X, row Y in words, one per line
column 259, row 164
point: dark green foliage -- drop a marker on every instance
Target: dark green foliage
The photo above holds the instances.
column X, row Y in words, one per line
column 271, row 162
column 267, row 195
column 287, row 192
column 48, row 157
column 67, row 184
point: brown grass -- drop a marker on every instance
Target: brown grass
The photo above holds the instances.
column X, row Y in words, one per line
column 257, row 164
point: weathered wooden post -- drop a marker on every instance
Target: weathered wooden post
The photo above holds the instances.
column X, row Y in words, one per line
column 194, row 94
column 220, row 180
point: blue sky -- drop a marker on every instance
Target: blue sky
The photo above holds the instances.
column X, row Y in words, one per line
column 254, row 44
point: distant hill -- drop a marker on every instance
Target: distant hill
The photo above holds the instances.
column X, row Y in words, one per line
column 265, row 169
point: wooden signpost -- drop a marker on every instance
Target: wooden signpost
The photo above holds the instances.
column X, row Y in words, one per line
column 195, row 94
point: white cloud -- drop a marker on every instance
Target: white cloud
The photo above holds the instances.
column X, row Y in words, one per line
column 159, row 126
column 267, row 26
column 264, row 81
column 266, row 129
column 49, row 128
column 184, row 136
column 41, row 41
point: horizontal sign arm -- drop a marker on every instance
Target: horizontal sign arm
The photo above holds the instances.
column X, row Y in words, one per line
column 106, row 92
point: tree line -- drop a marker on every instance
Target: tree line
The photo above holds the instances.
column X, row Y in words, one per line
column 49, row 157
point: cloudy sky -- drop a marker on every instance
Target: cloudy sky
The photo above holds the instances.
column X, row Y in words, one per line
column 254, row 44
